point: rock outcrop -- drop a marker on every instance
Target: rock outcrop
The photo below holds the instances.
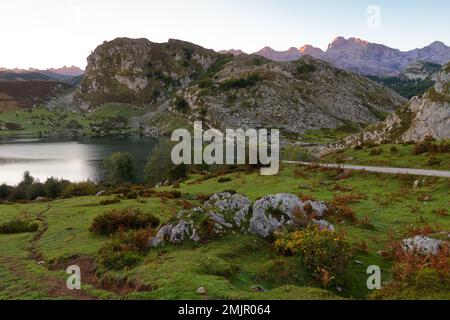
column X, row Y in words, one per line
column 422, row 118
column 139, row 72
column 251, row 92
column 422, row 245
column 230, row 212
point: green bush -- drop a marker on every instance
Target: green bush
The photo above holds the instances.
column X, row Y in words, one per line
column 224, row 179
column 119, row 168
column 181, row 105
column 125, row 219
column 325, row 254
column 394, row 150
column 160, row 167
column 305, row 68
column 18, row 225
column 35, row 190
column 5, row 191
column 108, row 201
column 433, row 161
column 54, row 187
column 376, row 152
column 79, row 189
column 241, row 83
column 123, row 251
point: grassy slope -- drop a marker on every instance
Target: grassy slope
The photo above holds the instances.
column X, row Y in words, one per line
column 403, row 159
column 227, row 268
column 42, row 121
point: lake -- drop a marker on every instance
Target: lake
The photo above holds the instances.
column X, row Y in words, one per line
column 71, row 160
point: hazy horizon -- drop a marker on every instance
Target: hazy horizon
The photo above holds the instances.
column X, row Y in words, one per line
column 51, row 34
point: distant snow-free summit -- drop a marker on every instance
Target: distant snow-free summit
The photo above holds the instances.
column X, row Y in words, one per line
column 364, row 57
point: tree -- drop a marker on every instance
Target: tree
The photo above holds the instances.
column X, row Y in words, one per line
column 160, row 167
column 119, row 168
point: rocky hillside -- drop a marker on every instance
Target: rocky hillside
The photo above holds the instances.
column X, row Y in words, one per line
column 424, row 117
column 413, row 81
column 364, row 57
column 29, row 94
column 141, row 72
column 252, row 92
column 186, row 82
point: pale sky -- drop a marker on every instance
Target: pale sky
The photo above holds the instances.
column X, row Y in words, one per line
column 53, row 33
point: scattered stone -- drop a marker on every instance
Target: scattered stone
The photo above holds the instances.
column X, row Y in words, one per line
column 422, row 245
column 201, row 291
column 100, row 193
column 258, row 289
column 162, row 235
column 41, row 199
column 324, row 225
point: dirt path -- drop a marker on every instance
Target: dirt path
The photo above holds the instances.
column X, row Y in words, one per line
column 56, row 287
column 388, row 170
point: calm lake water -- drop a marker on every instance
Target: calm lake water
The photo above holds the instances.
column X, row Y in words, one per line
column 70, row 160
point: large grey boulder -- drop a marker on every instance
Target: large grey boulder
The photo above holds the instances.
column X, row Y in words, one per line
column 274, row 211
column 232, row 208
column 422, row 245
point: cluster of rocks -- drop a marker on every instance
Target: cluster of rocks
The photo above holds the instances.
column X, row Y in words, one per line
column 231, row 212
column 423, row 245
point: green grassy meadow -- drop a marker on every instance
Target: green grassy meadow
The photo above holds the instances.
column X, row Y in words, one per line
column 32, row 264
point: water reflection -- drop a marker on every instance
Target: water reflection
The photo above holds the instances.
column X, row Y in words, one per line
column 71, row 160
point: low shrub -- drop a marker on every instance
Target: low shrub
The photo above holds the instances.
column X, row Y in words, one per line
column 394, row 150
column 80, row 189
column 416, row 276
column 376, row 152
column 433, row 161
column 323, row 253
column 18, row 225
column 241, row 83
column 125, row 219
column 124, row 250
column 224, row 179
column 341, row 213
column 108, row 201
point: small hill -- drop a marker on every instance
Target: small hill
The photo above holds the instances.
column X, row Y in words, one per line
column 140, row 72
column 27, row 94
column 23, row 76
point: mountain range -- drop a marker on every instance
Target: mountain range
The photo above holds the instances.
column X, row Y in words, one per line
column 363, row 57
column 181, row 81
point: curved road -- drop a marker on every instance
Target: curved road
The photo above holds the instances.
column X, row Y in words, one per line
column 388, row 170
